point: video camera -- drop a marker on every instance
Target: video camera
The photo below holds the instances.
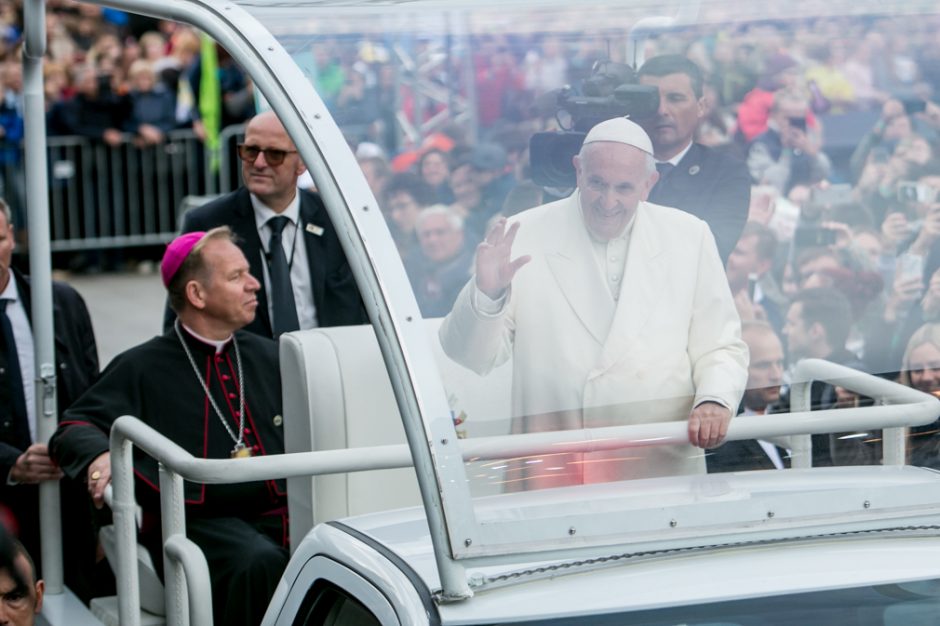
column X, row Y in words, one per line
column 610, row 91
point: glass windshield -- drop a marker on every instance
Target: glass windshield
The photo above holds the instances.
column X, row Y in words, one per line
column 648, row 214
column 890, row 605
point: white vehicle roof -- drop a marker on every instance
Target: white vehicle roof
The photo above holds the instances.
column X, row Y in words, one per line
column 730, row 566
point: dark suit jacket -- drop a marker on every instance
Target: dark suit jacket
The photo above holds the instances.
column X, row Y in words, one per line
column 76, row 358
column 713, row 186
column 742, row 456
column 335, row 293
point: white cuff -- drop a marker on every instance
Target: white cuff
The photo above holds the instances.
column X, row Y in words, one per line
column 703, row 399
column 485, row 305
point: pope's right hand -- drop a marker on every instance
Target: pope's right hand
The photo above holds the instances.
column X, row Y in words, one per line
column 494, row 269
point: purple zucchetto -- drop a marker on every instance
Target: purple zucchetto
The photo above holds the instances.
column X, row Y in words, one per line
column 176, row 252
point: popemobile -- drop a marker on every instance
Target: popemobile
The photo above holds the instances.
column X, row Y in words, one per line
column 429, row 488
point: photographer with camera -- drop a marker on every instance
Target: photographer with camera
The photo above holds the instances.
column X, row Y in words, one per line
column 788, row 153
column 703, row 181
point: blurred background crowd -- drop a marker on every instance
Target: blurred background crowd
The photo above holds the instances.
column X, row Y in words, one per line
column 835, row 118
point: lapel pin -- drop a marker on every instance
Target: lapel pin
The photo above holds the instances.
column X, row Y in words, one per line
column 695, row 169
column 313, row 229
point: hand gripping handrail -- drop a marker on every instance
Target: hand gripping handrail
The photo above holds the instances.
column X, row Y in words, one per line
column 177, row 464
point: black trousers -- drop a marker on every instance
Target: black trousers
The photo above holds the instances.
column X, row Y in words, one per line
column 246, row 559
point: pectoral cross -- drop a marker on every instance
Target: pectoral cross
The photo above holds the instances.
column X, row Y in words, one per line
column 240, row 451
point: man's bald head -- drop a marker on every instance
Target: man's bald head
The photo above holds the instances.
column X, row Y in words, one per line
column 270, row 162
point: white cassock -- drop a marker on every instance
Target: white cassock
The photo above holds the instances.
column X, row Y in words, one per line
column 583, row 359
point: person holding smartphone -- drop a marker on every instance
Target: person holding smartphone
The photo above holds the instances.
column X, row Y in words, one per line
column 908, row 126
column 788, row 153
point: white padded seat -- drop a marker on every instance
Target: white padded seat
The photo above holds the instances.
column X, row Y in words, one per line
column 337, row 394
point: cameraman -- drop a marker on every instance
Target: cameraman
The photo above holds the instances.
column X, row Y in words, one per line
column 700, row 180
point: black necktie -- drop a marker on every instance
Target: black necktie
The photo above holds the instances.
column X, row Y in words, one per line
column 15, row 378
column 282, row 294
column 664, row 168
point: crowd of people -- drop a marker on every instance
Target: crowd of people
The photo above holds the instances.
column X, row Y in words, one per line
column 837, row 137
column 824, row 244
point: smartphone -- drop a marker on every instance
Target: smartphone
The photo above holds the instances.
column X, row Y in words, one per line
column 798, row 122
column 911, row 192
column 914, row 105
column 907, row 191
column 910, row 266
column 832, row 195
column 751, row 286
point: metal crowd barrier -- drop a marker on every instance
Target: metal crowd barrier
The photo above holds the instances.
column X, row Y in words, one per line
column 120, row 196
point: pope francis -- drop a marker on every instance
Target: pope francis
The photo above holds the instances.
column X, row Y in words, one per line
column 614, row 311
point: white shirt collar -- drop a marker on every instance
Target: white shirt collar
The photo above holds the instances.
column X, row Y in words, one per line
column 263, row 212
column 675, row 160
column 10, row 292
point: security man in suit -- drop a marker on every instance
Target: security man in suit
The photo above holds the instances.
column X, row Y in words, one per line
column 700, row 180
column 762, row 397
column 286, row 235
column 24, row 460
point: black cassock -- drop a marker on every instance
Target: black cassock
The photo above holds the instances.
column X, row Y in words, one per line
column 241, row 528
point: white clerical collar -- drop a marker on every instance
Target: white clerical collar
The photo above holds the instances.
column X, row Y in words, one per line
column 675, row 160
column 219, row 345
column 263, row 212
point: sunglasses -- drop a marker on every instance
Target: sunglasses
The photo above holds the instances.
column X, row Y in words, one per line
column 272, row 156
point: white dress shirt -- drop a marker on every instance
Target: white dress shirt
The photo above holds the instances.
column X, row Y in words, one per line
column 675, row 160
column 611, row 257
column 296, row 252
column 23, row 335
column 771, row 450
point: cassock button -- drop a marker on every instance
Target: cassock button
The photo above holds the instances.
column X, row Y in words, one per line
column 225, row 377
column 247, row 431
column 62, row 366
column 278, row 420
column 6, row 424
column 231, row 395
column 256, row 449
column 237, row 413
column 3, row 370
